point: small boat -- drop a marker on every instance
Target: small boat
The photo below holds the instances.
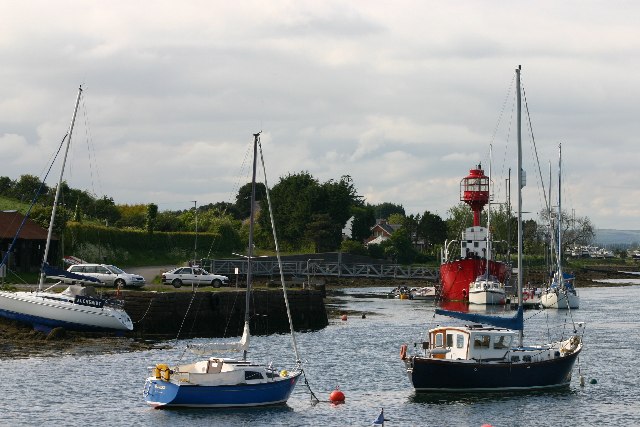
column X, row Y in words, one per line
column 77, row 308
column 486, row 290
column 222, row 382
column 423, row 293
column 489, row 354
column 561, row 293
column 400, row 292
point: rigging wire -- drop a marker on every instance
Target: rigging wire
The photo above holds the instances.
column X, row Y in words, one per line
column 284, row 286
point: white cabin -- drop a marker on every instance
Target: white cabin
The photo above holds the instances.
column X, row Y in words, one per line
column 469, row 342
column 473, row 243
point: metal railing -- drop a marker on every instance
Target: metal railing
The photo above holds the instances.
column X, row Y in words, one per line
column 304, row 268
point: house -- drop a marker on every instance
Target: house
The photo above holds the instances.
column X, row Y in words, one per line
column 27, row 253
column 381, row 232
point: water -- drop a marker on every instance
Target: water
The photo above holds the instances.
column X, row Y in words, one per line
column 362, row 357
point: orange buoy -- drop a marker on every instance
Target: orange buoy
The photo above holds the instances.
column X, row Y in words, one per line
column 336, row 396
column 344, row 317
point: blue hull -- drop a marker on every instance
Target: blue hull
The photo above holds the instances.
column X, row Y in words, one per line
column 163, row 394
column 446, row 375
column 45, row 324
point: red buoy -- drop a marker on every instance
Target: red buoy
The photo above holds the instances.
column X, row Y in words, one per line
column 336, row 396
column 344, row 317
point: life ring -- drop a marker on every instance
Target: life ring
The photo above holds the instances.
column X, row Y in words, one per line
column 525, row 295
column 403, row 351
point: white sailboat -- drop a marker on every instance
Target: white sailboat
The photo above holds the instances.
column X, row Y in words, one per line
column 77, row 308
column 222, row 382
column 561, row 293
column 487, row 289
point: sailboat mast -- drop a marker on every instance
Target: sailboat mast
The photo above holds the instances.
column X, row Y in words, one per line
column 256, row 136
column 489, row 213
column 55, row 201
column 559, row 254
column 520, row 185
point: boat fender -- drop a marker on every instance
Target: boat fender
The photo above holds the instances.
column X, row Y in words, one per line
column 284, row 373
column 403, row 351
column 162, row 372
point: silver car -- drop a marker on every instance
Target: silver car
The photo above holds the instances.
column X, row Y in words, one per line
column 110, row 275
column 193, row 276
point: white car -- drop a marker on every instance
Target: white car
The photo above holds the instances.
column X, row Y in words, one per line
column 109, row 275
column 193, row 276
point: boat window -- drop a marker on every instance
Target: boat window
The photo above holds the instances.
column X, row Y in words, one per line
column 459, row 340
column 526, row 358
column 439, row 338
column 503, row 341
column 481, row 341
column 464, row 244
column 475, row 244
column 515, row 358
column 449, row 340
column 252, row 375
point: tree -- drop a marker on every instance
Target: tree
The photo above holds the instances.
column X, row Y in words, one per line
column 27, row 187
column 321, row 231
column 353, row 247
column 401, row 249
column 460, row 218
column 133, row 216
column 432, row 229
column 243, row 198
column 384, row 210
column 152, row 215
column 106, row 210
column 363, row 219
column 6, row 186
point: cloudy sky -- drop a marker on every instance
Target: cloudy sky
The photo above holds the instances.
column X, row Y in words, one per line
column 403, row 96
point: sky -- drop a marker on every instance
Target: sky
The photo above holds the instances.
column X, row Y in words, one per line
column 405, row 97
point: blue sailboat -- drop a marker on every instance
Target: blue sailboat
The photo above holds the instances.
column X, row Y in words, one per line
column 484, row 355
column 220, row 382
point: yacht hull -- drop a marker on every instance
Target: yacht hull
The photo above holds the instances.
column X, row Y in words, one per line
column 46, row 310
column 429, row 374
column 559, row 300
column 167, row 394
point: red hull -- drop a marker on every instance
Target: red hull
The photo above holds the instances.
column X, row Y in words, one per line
column 455, row 276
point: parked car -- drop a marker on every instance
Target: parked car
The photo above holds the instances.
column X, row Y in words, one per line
column 193, row 276
column 109, row 275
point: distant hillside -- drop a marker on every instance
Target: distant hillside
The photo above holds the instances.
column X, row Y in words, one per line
column 608, row 237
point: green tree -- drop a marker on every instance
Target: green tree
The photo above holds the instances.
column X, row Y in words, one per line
column 27, row 187
column 152, row 216
column 243, row 198
column 353, row 247
column 6, row 186
column 321, row 231
column 401, row 249
column 432, row 229
column 460, row 218
column 384, row 210
column 106, row 210
column 363, row 219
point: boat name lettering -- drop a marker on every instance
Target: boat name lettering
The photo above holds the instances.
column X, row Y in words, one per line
column 92, row 302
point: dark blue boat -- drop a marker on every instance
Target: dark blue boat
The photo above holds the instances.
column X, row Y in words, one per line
column 486, row 358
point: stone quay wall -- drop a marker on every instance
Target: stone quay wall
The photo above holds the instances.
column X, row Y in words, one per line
column 167, row 315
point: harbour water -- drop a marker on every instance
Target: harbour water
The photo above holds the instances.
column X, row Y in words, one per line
column 361, row 356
